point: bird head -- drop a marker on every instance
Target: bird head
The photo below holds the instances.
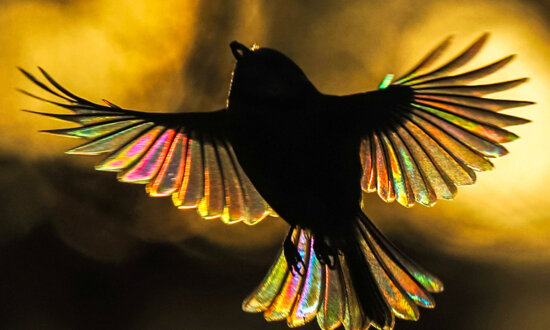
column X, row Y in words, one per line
column 264, row 74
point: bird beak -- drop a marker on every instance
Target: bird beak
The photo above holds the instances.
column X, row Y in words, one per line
column 239, row 50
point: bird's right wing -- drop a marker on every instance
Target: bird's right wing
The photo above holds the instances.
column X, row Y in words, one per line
column 183, row 155
column 442, row 135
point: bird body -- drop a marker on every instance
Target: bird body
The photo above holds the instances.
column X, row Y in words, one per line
column 300, row 136
column 325, row 168
column 282, row 146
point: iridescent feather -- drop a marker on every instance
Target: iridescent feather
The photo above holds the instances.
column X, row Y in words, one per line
column 448, row 130
column 195, row 166
column 329, row 293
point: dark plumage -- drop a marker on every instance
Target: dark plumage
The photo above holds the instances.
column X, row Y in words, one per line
column 282, row 145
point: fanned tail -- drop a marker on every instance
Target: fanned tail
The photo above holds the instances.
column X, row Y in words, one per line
column 371, row 283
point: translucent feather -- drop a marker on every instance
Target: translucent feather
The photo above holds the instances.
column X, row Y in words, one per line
column 489, row 132
column 474, row 142
column 94, row 131
column 446, row 132
column 399, row 303
column 427, row 61
column 110, row 142
column 256, row 207
column 131, row 152
column 458, row 150
column 480, row 115
column 455, row 63
column 192, row 188
column 433, row 180
column 170, row 176
column 472, row 90
column 307, row 302
column 403, row 192
column 211, row 206
column 331, row 311
column 421, row 276
column 147, row 167
column 457, row 173
column 182, row 155
column 282, row 305
column 467, row 77
column 422, row 194
column 400, row 277
column 263, row 296
column 474, row 101
column 234, row 209
column 384, row 185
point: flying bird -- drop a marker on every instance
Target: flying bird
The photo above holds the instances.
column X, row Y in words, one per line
column 280, row 147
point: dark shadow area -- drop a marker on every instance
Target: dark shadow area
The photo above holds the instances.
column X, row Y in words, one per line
column 44, row 284
column 106, row 277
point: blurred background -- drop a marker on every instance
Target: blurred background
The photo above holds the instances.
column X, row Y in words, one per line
column 79, row 250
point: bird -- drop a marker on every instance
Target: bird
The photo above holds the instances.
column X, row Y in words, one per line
column 280, row 147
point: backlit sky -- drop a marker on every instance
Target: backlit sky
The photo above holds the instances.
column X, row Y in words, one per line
column 174, row 56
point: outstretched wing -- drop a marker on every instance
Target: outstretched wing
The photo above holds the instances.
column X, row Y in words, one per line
column 447, row 132
column 183, row 155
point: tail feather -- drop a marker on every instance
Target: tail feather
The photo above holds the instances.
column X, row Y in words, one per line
column 369, row 298
column 371, row 283
column 400, row 260
column 332, row 307
column 284, row 294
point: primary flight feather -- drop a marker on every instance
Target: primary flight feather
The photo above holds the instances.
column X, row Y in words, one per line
column 281, row 147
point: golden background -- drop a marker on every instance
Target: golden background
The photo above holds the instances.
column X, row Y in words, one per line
column 142, row 264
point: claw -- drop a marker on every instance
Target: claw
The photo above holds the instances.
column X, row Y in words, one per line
column 325, row 254
column 293, row 257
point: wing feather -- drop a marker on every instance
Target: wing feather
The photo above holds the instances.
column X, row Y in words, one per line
column 473, row 90
column 131, row 152
column 147, row 167
column 445, row 132
column 185, row 156
column 428, row 60
column 170, row 176
column 452, row 65
column 110, row 142
column 467, row 77
column 384, row 184
column 211, row 206
column 402, row 187
column 412, row 176
column 192, row 187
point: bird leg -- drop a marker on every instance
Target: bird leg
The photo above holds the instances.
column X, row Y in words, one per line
column 326, row 254
column 292, row 256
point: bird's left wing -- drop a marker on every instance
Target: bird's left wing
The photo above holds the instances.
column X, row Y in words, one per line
column 183, row 155
column 444, row 133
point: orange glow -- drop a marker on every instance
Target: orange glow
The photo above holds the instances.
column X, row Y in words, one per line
column 137, row 54
column 503, row 216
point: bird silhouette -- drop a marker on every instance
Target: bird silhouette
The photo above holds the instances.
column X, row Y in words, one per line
column 281, row 147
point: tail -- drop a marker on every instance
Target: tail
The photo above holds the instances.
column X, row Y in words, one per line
column 371, row 283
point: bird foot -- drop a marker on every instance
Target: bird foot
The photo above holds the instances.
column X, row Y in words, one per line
column 326, row 255
column 293, row 257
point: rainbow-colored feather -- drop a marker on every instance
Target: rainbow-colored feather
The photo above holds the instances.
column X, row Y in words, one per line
column 449, row 131
column 195, row 166
column 318, row 291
